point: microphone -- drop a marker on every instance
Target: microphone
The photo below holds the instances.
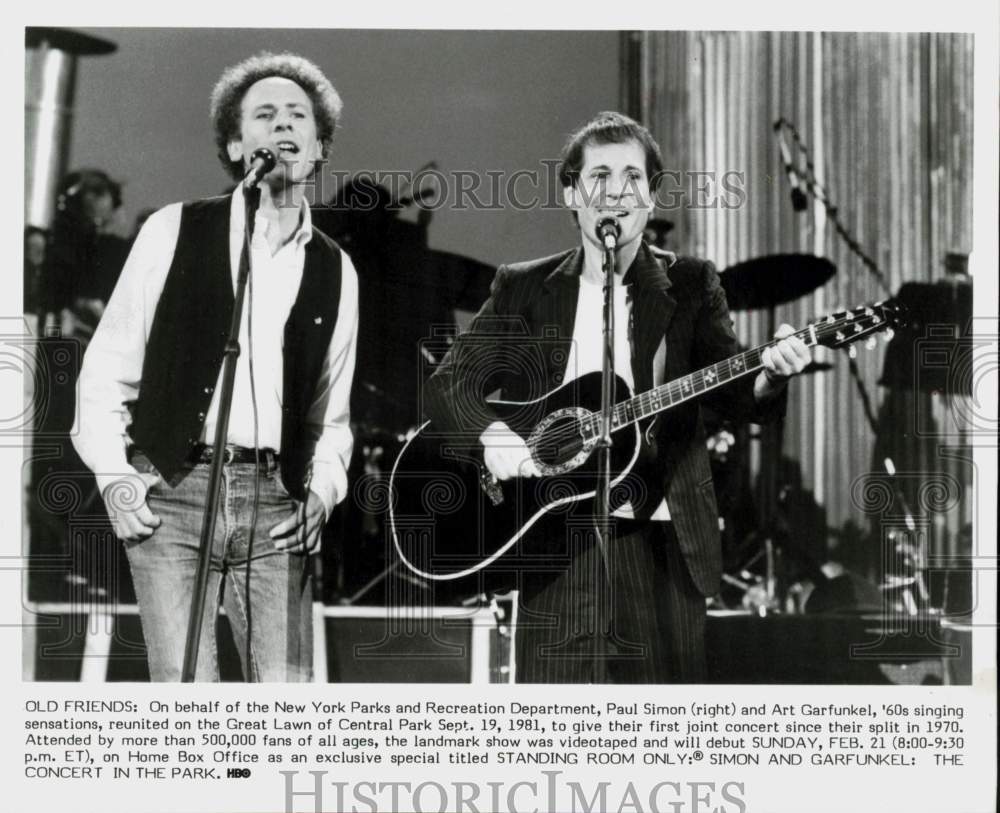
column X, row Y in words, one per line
column 262, row 161
column 608, row 231
column 799, row 200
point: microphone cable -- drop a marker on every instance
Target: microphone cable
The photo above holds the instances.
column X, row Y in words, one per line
column 820, row 193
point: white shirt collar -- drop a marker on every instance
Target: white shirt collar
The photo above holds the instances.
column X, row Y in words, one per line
column 237, row 215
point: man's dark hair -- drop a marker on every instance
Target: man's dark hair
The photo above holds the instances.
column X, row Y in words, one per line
column 228, row 93
column 609, row 127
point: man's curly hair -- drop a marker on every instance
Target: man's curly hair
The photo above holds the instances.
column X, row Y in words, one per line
column 228, row 93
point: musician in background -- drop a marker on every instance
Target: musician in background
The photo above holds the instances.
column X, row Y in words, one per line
column 664, row 557
column 85, row 257
column 36, row 294
column 151, row 379
column 82, row 261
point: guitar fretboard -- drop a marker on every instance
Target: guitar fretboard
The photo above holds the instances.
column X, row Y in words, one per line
column 834, row 331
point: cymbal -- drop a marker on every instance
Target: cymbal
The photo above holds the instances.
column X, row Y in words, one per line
column 774, row 279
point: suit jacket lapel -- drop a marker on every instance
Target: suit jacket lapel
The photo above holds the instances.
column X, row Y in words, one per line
column 561, row 291
column 653, row 307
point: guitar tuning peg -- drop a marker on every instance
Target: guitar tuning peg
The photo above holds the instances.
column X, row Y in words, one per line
column 887, row 336
column 871, row 343
column 852, row 351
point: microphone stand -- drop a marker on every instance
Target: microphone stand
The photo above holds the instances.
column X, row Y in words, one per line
column 771, row 436
column 602, row 497
column 251, row 199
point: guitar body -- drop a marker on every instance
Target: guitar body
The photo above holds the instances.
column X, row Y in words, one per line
column 449, row 520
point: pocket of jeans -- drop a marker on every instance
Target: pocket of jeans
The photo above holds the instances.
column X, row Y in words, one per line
column 279, row 484
column 143, row 465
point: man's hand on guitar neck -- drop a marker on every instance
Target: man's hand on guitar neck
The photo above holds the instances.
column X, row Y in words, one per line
column 505, row 453
column 787, row 358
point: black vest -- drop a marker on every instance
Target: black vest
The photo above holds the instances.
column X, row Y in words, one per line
column 187, row 341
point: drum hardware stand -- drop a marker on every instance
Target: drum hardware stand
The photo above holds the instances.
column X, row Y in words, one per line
column 386, row 572
column 918, row 554
column 374, row 453
column 913, row 554
column 766, row 282
column 772, row 441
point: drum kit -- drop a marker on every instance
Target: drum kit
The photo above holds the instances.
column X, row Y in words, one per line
column 757, row 543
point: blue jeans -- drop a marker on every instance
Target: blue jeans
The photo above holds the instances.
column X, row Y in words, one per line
column 164, row 568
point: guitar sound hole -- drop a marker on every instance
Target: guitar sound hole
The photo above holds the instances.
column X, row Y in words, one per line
column 560, row 442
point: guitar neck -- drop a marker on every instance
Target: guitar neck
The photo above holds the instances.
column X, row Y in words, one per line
column 836, row 331
column 696, row 384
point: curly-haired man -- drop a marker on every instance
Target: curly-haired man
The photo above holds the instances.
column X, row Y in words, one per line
column 150, row 383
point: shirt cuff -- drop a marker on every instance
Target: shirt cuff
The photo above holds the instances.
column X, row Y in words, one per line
column 113, row 473
column 329, row 482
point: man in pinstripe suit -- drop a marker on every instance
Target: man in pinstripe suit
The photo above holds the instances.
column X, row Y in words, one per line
column 664, row 554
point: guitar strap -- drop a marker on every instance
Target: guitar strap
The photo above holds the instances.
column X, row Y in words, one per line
column 630, row 301
column 630, row 304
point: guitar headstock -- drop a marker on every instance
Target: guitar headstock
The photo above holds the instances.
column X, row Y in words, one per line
column 847, row 327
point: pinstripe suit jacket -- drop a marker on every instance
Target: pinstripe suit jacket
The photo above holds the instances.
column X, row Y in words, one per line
column 518, row 344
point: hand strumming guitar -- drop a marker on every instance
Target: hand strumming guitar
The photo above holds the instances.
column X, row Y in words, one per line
column 505, row 453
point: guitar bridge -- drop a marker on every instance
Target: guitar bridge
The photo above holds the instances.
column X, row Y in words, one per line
column 490, row 486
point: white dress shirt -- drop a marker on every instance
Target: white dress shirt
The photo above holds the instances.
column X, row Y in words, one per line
column 586, row 351
column 112, row 366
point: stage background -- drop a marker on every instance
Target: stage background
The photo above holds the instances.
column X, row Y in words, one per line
column 887, row 117
column 472, row 101
column 888, row 120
